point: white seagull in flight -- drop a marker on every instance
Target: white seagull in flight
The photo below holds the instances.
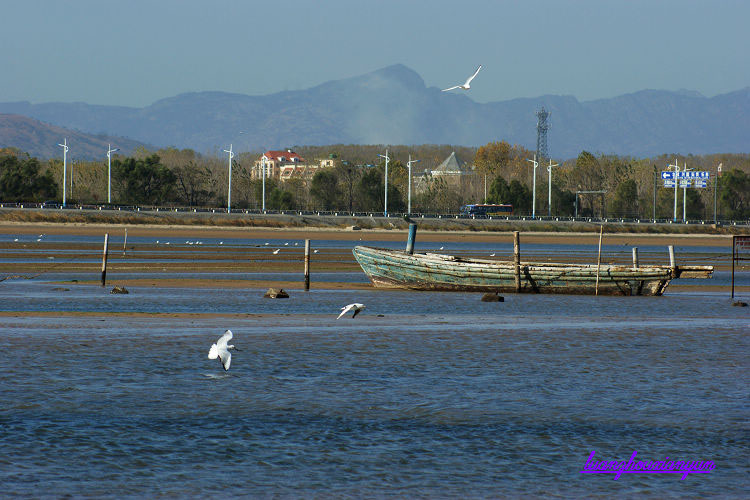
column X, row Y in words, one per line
column 467, row 84
column 221, row 350
column 351, row 307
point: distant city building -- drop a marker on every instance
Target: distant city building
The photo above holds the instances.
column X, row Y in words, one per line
column 285, row 165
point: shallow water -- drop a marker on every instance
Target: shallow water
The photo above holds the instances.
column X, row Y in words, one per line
column 422, row 395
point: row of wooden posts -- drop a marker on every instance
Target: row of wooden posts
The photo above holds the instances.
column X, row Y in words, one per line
column 106, row 251
column 410, row 248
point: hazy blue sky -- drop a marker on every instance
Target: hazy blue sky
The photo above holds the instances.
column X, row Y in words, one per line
column 135, row 52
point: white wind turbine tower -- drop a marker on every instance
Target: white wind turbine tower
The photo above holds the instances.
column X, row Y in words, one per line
column 229, row 191
column 109, row 172
column 65, row 167
column 408, row 208
column 385, row 207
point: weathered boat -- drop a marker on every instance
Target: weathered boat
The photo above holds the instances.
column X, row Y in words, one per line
column 430, row 271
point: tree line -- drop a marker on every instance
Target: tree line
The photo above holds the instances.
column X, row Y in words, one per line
column 502, row 173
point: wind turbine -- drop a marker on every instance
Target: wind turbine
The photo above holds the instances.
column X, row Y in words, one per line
column 229, row 192
column 65, row 167
column 408, row 209
column 109, row 172
column 385, row 207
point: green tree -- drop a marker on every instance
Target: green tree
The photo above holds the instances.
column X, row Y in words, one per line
column 280, row 199
column 370, row 191
column 492, row 158
column 144, row 181
column 20, row 180
column 625, row 201
column 325, row 190
column 734, row 194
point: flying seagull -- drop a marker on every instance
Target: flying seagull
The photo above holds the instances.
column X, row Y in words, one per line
column 467, row 84
column 221, row 350
column 351, row 307
column 276, row 251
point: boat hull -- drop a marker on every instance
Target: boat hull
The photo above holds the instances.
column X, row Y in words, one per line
column 397, row 269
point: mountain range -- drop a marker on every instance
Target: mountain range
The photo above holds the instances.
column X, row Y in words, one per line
column 394, row 106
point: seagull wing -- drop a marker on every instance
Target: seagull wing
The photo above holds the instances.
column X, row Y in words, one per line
column 223, row 340
column 472, row 76
column 456, row 87
column 213, row 353
column 345, row 310
column 226, row 359
column 356, row 311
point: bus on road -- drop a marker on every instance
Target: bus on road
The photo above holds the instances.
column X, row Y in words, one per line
column 487, row 210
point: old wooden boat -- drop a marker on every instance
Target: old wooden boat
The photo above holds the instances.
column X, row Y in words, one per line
column 430, row 271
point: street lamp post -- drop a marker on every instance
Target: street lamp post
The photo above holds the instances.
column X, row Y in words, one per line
column 408, row 208
column 716, row 182
column 65, row 167
column 676, row 182
column 549, row 191
column 109, row 172
column 533, row 195
column 229, row 189
column 684, row 193
column 263, row 181
column 385, row 205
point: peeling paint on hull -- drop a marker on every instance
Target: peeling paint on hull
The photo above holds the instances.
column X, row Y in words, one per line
column 397, row 269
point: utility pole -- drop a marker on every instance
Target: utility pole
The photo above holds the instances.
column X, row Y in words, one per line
column 408, row 209
column 654, row 193
column 385, row 206
column 716, row 182
column 65, row 167
column 109, row 172
column 263, row 172
column 533, row 196
column 676, row 183
column 229, row 190
column 549, row 191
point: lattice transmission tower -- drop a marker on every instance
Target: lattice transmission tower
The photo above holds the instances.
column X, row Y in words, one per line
column 542, row 126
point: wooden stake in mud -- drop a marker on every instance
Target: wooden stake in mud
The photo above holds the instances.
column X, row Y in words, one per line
column 125, row 242
column 517, row 260
column 599, row 259
column 672, row 262
column 307, row 265
column 635, row 257
column 104, row 259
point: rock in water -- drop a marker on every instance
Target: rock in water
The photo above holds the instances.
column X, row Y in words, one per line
column 739, row 303
column 273, row 293
column 119, row 289
column 492, row 297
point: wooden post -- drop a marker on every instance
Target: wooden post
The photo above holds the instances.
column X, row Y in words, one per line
column 104, row 259
column 125, row 242
column 599, row 259
column 517, row 260
column 307, row 265
column 635, row 257
column 412, row 237
column 671, row 261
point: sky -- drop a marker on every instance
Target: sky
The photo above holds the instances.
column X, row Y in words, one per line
column 136, row 52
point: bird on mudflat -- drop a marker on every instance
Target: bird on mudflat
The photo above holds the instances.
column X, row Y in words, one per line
column 276, row 251
column 221, row 350
column 467, row 83
column 351, row 307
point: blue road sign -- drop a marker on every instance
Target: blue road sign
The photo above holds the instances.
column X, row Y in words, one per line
column 686, row 175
